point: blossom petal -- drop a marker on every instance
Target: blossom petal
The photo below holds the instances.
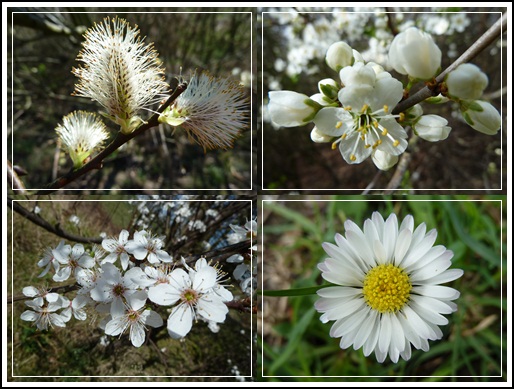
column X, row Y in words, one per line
column 116, row 326
column 212, row 308
column 137, row 334
column 163, row 294
column 180, row 321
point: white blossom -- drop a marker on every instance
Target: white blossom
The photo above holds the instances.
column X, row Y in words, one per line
column 81, row 132
column 119, row 71
column 213, row 111
column 415, row 53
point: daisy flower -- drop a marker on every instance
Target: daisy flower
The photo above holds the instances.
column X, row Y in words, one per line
column 119, row 71
column 388, row 294
column 81, row 132
column 212, row 110
column 134, row 317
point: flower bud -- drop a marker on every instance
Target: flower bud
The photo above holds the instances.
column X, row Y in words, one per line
column 482, row 116
column 415, row 53
column 339, row 55
column 290, row 109
column 384, row 161
column 358, row 74
column 321, row 99
column 319, row 137
column 432, row 128
column 329, row 88
column 467, row 82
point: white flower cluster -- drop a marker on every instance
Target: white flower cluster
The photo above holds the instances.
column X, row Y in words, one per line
column 122, row 294
column 354, row 113
column 308, row 32
column 243, row 273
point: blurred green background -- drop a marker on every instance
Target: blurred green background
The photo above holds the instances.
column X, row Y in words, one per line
column 42, row 51
column 294, row 341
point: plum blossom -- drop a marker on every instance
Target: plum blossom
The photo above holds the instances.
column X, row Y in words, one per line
column 197, row 293
column 146, row 246
column 71, row 260
column 116, row 248
column 134, row 317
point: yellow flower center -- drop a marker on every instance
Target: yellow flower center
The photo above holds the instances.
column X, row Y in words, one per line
column 386, row 288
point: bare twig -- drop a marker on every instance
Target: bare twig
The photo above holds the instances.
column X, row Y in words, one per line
column 14, row 180
column 371, row 185
column 121, row 139
column 244, row 305
column 401, row 168
column 220, row 255
column 57, row 230
column 485, row 40
column 57, row 289
column 391, row 23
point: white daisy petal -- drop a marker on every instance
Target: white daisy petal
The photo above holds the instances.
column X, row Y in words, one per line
column 447, row 276
column 338, row 291
column 390, row 298
column 386, row 330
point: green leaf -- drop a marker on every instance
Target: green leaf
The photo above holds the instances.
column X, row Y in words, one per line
column 294, row 339
column 295, row 217
column 478, row 247
column 292, row 292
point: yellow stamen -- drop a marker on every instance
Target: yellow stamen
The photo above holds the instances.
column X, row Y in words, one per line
column 367, row 146
column 384, row 133
column 364, row 108
column 353, row 157
column 402, row 117
column 386, row 108
column 386, row 288
column 339, row 124
column 334, row 145
column 348, row 108
column 396, row 143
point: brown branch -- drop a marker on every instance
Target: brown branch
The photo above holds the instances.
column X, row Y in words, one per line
column 244, row 305
column 56, row 289
column 57, row 230
column 391, row 22
column 14, row 179
column 219, row 255
column 401, row 168
column 121, row 139
column 485, row 40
